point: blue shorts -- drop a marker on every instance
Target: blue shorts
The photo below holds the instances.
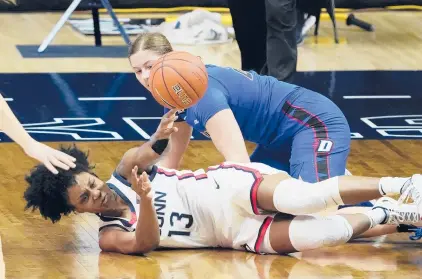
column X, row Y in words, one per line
column 316, row 139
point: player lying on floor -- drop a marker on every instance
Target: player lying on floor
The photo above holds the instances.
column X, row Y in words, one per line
column 230, row 205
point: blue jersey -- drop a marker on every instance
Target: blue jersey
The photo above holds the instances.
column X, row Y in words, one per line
column 296, row 130
column 256, row 102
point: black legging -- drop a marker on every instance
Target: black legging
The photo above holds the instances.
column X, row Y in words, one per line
column 265, row 32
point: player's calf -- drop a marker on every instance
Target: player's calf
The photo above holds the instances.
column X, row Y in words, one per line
column 308, row 232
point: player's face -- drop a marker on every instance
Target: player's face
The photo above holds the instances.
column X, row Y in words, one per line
column 90, row 194
column 142, row 62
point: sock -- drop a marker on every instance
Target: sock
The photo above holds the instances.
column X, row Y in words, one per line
column 392, row 185
column 377, row 216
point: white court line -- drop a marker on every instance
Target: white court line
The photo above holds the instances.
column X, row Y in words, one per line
column 379, row 97
column 112, row 99
column 8, row 99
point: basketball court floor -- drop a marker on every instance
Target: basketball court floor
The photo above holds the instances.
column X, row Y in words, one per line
column 96, row 103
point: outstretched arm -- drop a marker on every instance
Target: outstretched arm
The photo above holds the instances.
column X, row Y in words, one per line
column 146, row 155
column 227, row 136
column 146, row 237
column 50, row 157
column 179, row 143
column 215, row 113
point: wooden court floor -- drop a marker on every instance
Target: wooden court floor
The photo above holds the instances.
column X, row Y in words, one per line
column 35, row 248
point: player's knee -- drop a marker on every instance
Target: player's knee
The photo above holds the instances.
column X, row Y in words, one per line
column 295, row 197
column 298, row 197
column 309, row 232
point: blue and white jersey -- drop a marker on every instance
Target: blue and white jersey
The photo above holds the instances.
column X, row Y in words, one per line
column 186, row 205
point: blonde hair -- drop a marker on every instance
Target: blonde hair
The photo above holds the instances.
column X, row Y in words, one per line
column 156, row 42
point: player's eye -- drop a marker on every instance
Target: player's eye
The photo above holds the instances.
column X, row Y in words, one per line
column 84, row 198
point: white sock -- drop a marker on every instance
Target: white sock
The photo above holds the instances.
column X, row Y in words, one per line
column 376, row 216
column 392, row 185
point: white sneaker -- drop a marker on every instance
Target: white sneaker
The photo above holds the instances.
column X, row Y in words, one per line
column 397, row 213
column 412, row 189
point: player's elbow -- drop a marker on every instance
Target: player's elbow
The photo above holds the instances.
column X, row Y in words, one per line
column 128, row 247
column 144, row 248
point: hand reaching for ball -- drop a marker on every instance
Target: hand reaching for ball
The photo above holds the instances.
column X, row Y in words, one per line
column 165, row 128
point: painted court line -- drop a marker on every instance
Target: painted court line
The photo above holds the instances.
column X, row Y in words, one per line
column 379, row 97
column 112, row 98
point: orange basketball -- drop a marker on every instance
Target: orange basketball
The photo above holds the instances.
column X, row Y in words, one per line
column 178, row 80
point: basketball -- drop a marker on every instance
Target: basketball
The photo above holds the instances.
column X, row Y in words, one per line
column 178, row 80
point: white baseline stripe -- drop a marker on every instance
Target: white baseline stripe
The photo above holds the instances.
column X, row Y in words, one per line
column 379, row 97
column 8, row 99
column 112, row 99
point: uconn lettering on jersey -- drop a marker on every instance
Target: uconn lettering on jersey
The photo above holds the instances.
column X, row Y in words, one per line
column 180, row 223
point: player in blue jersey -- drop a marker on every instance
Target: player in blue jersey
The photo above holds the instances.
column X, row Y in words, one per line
column 296, row 130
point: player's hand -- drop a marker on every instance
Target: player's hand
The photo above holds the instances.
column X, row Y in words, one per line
column 50, row 157
column 165, row 128
column 141, row 184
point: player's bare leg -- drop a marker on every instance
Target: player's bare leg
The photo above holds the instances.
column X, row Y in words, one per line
column 290, row 233
column 280, row 192
column 379, row 229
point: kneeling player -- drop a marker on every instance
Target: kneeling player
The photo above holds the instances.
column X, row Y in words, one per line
column 250, row 206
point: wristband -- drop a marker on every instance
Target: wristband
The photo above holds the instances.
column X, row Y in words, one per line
column 159, row 146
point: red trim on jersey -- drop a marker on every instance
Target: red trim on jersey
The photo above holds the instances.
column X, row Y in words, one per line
column 254, row 188
column 183, row 176
column 133, row 218
column 261, row 234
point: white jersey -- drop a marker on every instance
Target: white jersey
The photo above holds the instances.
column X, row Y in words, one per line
column 184, row 203
column 198, row 209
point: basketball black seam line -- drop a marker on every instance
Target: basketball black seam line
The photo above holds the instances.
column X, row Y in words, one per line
column 189, row 62
column 165, row 84
column 161, row 97
column 184, row 80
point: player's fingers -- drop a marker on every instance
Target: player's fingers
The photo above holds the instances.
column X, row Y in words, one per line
column 145, row 178
column 134, row 174
column 171, row 112
column 57, row 163
column 67, row 156
column 66, row 160
column 50, row 167
column 135, row 171
column 166, row 121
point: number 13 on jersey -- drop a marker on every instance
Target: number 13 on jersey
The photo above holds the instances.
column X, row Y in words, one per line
column 178, row 223
column 180, row 220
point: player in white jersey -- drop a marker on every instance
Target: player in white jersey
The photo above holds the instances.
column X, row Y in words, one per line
column 248, row 207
